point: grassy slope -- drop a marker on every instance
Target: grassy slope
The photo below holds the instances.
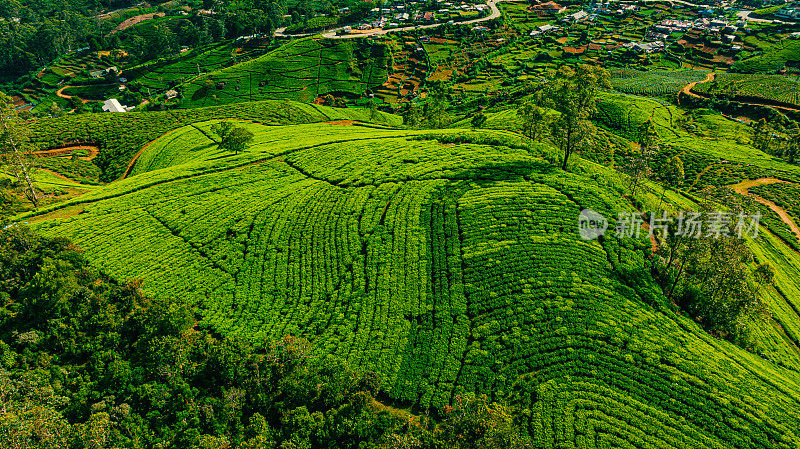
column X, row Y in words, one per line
column 717, row 151
column 301, row 70
column 446, row 269
column 121, row 136
column 770, row 88
column 714, row 138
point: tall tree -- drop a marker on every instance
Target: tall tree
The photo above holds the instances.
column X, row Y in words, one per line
column 232, row 137
column 672, row 171
column 706, row 268
column 435, row 111
column 533, row 120
column 12, row 137
column 573, row 94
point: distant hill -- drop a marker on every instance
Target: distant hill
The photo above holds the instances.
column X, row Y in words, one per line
column 301, row 70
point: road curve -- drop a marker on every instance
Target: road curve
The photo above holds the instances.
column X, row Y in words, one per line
column 331, row 34
column 743, row 187
column 745, row 15
column 687, row 89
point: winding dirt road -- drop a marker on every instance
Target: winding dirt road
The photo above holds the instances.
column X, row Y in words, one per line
column 61, row 94
column 331, row 34
column 687, row 89
column 742, row 189
column 66, row 151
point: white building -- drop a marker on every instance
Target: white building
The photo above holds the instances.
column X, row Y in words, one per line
column 543, row 30
column 112, row 105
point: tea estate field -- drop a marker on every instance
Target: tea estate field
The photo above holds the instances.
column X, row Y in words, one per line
column 445, row 268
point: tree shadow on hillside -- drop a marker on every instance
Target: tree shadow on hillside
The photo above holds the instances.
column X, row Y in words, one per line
column 506, row 171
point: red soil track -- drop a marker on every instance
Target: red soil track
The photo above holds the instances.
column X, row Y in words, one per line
column 67, row 151
column 742, row 188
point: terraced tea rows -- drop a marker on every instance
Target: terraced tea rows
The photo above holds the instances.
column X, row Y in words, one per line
column 654, row 84
column 445, row 268
column 768, row 89
column 300, row 70
column 120, row 136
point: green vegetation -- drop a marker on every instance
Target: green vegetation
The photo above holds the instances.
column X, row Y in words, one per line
column 121, row 136
column 782, row 194
column 88, row 361
column 162, row 74
column 771, row 89
column 301, row 70
column 774, row 57
column 661, row 84
column 446, row 266
column 372, row 243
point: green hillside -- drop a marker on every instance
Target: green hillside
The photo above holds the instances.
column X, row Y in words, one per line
column 446, row 268
column 769, row 89
column 121, row 136
column 301, row 70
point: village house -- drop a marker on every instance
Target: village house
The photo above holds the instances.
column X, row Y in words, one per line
column 113, row 105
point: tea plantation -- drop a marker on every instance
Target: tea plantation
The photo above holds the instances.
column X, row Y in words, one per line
column 301, row 70
column 447, row 266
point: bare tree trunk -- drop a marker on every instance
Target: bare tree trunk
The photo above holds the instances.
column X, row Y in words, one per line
column 567, row 149
column 24, row 170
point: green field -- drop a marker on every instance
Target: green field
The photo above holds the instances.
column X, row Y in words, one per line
column 719, row 148
column 782, row 194
column 771, row 89
column 664, row 84
column 161, row 75
column 121, row 136
column 445, row 268
column 301, row 70
column 774, row 55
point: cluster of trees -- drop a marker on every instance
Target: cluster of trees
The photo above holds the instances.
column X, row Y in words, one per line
column 652, row 162
column 42, row 31
column 773, row 138
column 335, row 102
column 714, row 280
column 433, row 113
column 35, row 33
column 86, row 361
column 572, row 94
column 14, row 152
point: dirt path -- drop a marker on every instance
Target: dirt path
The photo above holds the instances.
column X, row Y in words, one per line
column 66, row 151
column 61, row 94
column 135, row 20
column 742, row 189
column 136, row 157
column 687, row 89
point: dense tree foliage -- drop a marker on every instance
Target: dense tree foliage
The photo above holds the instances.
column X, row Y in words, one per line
column 86, row 361
column 13, row 157
column 714, row 279
column 573, row 94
